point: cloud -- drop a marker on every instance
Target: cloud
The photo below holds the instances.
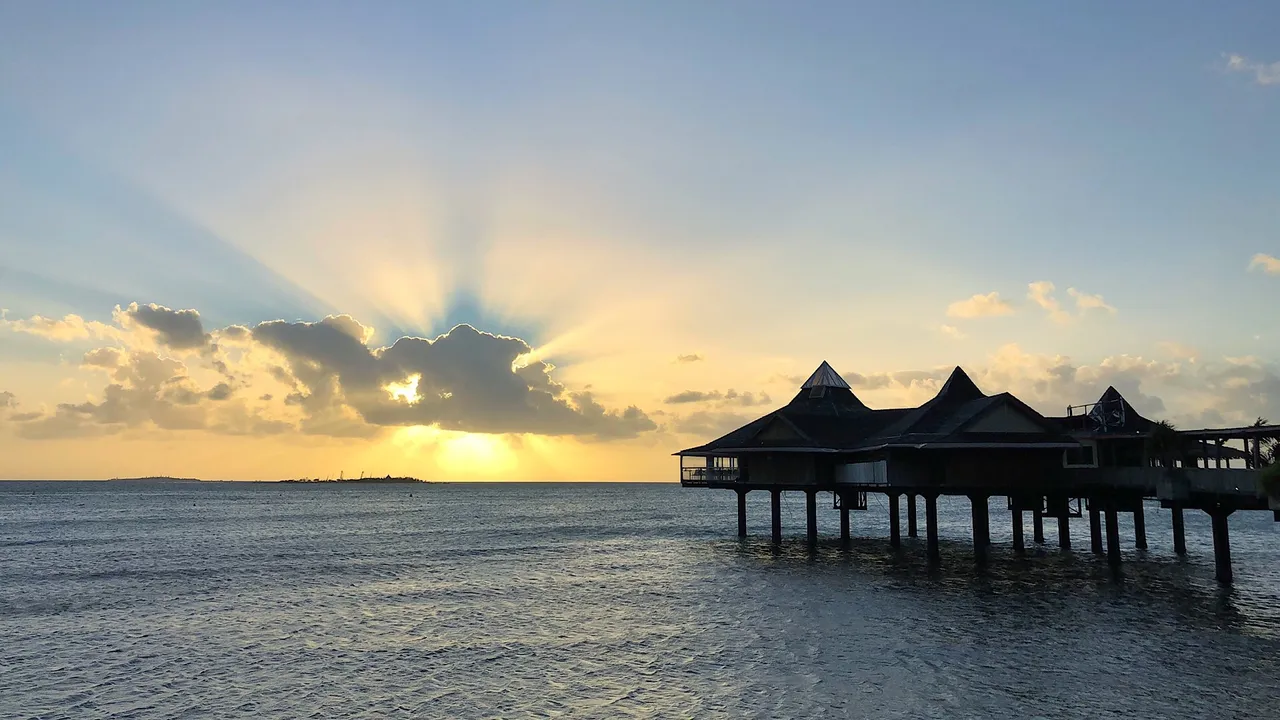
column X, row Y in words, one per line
column 1266, row 263
column 465, row 380
column 730, row 397
column 951, row 332
column 67, row 329
column 709, row 424
column 989, row 305
column 7, row 400
column 1221, row 393
column 178, row 329
column 1041, row 293
column 690, row 358
column 1086, row 302
column 1263, row 73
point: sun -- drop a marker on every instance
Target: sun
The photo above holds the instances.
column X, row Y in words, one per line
column 462, row 455
column 406, row 391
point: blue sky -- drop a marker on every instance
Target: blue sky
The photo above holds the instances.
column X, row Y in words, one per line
column 767, row 183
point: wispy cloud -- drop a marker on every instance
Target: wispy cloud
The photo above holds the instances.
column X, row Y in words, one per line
column 1086, row 302
column 952, row 332
column 1268, row 264
column 1041, row 293
column 690, row 358
column 1263, row 73
column 989, row 305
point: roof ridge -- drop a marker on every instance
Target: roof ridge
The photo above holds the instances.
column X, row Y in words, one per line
column 825, row 376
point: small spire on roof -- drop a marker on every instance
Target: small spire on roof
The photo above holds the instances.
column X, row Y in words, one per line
column 825, row 376
column 959, row 387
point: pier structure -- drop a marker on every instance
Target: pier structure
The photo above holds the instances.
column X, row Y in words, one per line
column 1102, row 458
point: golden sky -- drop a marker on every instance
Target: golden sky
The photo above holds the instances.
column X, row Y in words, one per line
column 565, row 241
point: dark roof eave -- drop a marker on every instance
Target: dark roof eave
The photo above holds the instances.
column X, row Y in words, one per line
column 966, row 445
column 701, row 451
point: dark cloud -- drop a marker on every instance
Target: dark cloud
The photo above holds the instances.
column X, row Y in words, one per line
column 691, row 396
column 178, row 329
column 235, row 332
column 146, row 390
column 690, row 358
column 221, row 391
column 464, row 380
column 8, row 400
column 25, row 417
column 709, row 424
column 730, row 397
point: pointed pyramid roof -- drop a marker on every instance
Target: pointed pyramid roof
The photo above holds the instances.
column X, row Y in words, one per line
column 825, row 376
column 955, row 402
column 825, row 393
column 958, row 388
column 1116, row 414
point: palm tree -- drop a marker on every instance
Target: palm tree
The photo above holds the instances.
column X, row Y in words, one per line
column 1164, row 444
column 1268, row 448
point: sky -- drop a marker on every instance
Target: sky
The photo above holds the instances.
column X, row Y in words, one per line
column 562, row 240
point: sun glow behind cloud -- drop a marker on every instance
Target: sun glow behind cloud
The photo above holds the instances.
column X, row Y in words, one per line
column 463, row 456
column 406, row 391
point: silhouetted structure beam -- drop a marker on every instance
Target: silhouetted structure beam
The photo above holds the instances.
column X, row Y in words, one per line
column 895, row 530
column 911, row 515
column 1221, row 545
column 1095, row 529
column 1037, row 526
column 844, row 520
column 981, row 528
column 776, row 512
column 1113, row 536
column 931, row 528
column 1064, row 532
column 742, row 513
column 811, row 513
column 1019, row 545
column 1179, row 531
column 1140, row 526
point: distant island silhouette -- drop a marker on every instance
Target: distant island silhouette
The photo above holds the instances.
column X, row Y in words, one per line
column 385, row 479
column 362, row 479
column 155, row 479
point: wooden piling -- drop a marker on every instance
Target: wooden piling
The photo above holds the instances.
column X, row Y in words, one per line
column 742, row 513
column 1179, row 531
column 911, row 515
column 1037, row 526
column 1064, row 532
column 844, row 520
column 1095, row 529
column 811, row 512
column 1140, row 526
column 895, row 530
column 981, row 528
column 931, row 528
column 1113, row 536
column 776, row 511
column 1019, row 546
column 1221, row 545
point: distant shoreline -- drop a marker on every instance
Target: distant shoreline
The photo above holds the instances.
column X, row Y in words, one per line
column 384, row 480
column 367, row 480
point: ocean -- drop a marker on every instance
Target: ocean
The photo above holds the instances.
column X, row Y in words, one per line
column 225, row 600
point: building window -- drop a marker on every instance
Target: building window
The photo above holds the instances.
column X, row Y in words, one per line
column 1085, row 456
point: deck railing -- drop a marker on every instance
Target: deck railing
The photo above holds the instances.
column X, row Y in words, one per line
column 703, row 476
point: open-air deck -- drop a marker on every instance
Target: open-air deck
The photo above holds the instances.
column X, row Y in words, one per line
column 1103, row 458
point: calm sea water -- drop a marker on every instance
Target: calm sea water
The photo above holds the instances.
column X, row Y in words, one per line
column 466, row 601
